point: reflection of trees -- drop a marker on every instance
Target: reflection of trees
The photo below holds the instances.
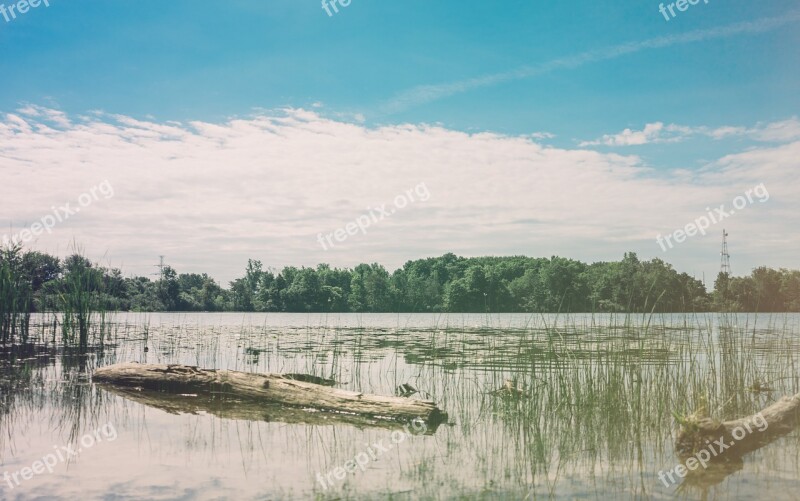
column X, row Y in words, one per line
column 34, row 377
column 79, row 402
column 23, row 371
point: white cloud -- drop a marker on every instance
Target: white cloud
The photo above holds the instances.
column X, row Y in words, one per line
column 657, row 132
column 779, row 132
column 56, row 117
column 726, row 131
column 211, row 195
column 652, row 133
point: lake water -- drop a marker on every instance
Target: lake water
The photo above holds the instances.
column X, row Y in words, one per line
column 595, row 420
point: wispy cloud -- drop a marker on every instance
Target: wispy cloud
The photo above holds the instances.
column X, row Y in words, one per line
column 778, row 132
column 55, row 117
column 652, row 133
column 656, row 132
column 423, row 94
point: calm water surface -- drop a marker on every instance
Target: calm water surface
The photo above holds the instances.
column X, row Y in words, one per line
column 595, row 420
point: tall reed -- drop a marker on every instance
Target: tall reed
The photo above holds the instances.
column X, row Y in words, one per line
column 16, row 296
column 80, row 301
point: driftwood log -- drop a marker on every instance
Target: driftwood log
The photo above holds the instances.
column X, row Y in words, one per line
column 266, row 388
column 703, row 434
column 759, row 429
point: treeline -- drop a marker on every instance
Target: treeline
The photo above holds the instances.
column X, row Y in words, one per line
column 444, row 284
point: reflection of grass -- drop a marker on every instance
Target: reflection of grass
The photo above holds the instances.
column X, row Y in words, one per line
column 608, row 394
column 599, row 393
column 602, row 394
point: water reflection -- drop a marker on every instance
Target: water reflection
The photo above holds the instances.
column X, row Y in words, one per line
column 596, row 420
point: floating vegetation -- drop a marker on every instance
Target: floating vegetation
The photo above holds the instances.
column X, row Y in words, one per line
column 405, row 390
column 510, row 390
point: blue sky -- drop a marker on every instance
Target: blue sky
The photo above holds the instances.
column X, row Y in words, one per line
column 721, row 78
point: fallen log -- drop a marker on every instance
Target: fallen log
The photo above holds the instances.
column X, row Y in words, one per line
column 719, row 446
column 742, row 435
column 271, row 388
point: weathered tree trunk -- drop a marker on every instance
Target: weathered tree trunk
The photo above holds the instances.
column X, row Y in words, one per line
column 274, row 388
column 757, row 430
column 723, row 444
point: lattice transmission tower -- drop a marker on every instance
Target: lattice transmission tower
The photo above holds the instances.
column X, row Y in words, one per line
column 725, row 257
column 160, row 267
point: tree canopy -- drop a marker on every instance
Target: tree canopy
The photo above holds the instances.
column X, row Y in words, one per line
column 442, row 284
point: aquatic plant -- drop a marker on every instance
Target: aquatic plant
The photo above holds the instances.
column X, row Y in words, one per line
column 16, row 296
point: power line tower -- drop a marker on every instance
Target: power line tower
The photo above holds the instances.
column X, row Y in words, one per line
column 725, row 257
column 160, row 274
column 160, row 267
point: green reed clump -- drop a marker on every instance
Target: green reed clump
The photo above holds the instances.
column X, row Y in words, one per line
column 79, row 300
column 16, row 296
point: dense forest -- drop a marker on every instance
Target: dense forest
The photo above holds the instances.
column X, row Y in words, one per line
column 443, row 284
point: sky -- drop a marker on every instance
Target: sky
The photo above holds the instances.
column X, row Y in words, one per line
column 214, row 132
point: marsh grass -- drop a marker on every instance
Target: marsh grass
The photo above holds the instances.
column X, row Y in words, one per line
column 603, row 394
column 75, row 302
column 80, row 304
column 16, row 297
